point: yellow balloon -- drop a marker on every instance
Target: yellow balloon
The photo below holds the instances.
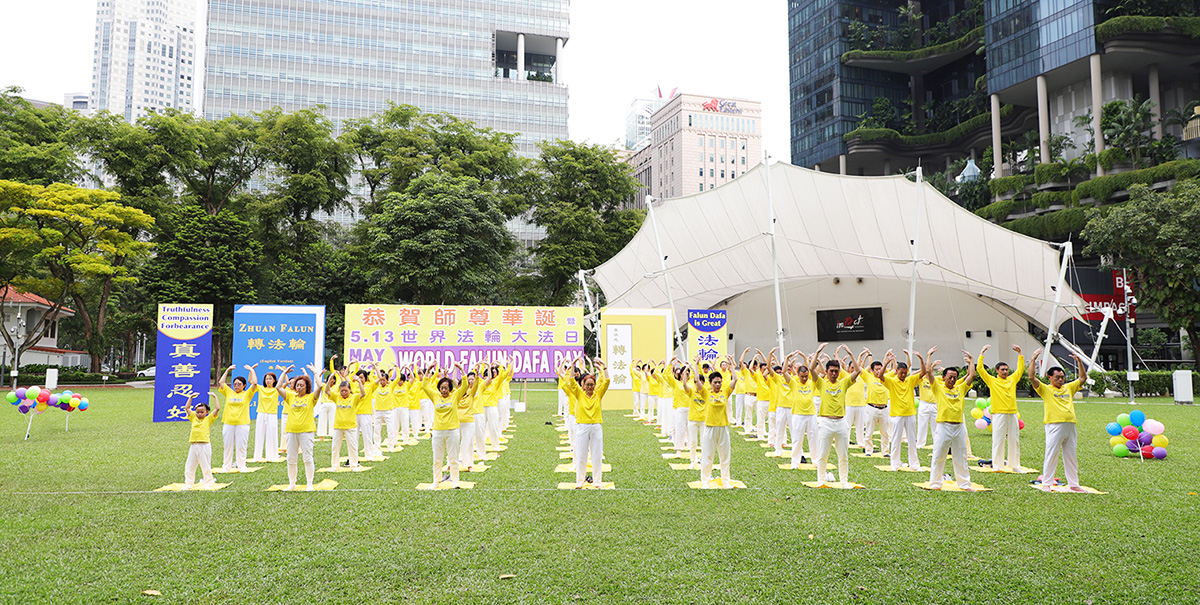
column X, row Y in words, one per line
column 1116, row 440
column 976, row 413
column 43, row 406
column 1160, row 441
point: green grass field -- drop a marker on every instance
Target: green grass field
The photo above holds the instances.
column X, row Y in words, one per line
column 81, row 524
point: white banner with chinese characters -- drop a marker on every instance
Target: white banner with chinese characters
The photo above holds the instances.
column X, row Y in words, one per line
column 618, row 351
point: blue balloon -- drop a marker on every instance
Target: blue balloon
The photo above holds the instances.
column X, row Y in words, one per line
column 1137, row 417
column 1113, row 429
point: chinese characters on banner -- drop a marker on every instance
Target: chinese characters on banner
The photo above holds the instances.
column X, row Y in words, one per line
column 184, row 358
column 618, row 346
column 707, row 336
column 275, row 337
column 539, row 338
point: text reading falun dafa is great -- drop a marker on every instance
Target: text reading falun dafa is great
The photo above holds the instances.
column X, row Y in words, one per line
column 535, row 338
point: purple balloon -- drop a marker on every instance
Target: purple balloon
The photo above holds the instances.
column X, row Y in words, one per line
column 1133, row 446
column 21, row 393
column 24, row 409
column 54, row 400
column 1145, row 439
column 1160, row 452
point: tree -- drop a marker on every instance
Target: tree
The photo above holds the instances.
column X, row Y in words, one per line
column 1130, row 126
column 133, row 155
column 209, row 259
column 83, row 239
column 1154, row 237
column 212, row 159
column 36, row 144
column 442, row 241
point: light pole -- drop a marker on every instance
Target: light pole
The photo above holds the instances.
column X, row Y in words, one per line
column 18, row 338
column 1130, row 300
column 662, row 262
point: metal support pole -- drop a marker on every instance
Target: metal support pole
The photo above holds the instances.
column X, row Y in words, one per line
column 774, row 258
column 916, row 241
column 662, row 261
column 1052, row 329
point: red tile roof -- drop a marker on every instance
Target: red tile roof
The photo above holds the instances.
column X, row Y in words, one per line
column 15, row 296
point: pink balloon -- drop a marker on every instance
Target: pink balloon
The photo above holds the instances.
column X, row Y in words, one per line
column 981, row 424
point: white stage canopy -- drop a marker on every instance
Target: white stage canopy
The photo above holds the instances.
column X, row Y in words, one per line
column 717, row 244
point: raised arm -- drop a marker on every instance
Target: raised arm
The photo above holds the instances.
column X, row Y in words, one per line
column 224, row 375
column 970, row 362
column 1033, row 379
column 1081, row 368
column 253, row 386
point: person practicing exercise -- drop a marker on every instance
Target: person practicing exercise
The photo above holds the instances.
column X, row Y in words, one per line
column 832, row 385
column 236, row 430
column 589, row 424
column 804, row 413
column 949, row 434
column 875, row 413
column 200, row 450
column 1005, row 425
column 301, row 402
column 1058, row 397
column 266, row 424
column 445, row 429
column 715, row 438
column 903, row 411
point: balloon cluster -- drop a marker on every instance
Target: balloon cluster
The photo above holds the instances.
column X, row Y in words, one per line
column 1133, row 434
column 982, row 413
column 39, row 399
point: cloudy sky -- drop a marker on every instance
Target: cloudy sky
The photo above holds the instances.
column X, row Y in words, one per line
column 619, row 50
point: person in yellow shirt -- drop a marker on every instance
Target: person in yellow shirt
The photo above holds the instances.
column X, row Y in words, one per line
column 493, row 393
column 200, row 450
column 266, row 421
column 762, row 402
column 388, row 389
column 1058, row 397
column 445, row 427
column 301, row 427
column 1005, row 425
column 950, row 434
column 875, row 412
column 589, row 428
column 469, row 421
column 902, row 408
column 364, row 411
column 856, row 405
column 413, row 401
column 345, row 420
column 715, row 438
column 804, row 413
column 726, row 370
column 781, row 415
column 236, row 429
column 832, row 385
column 926, row 411
column 644, row 412
column 697, row 413
column 680, row 404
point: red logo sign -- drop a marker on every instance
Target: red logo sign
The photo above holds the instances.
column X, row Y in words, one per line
column 712, row 105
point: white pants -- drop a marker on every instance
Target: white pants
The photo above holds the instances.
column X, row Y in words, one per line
column 783, row 422
column 325, row 413
column 351, row 437
column 748, row 404
column 664, row 414
column 694, row 428
column 414, row 424
column 466, row 443
column 570, row 422
column 903, row 429
column 729, row 415
column 951, row 437
column 385, row 418
column 198, row 454
column 283, row 431
column 589, row 439
column 300, row 443
column 427, row 415
column 876, row 418
column 236, row 437
column 803, row 426
column 480, row 448
column 1061, row 436
column 857, row 421
column 562, row 402
column 445, row 448
column 836, row 432
column 1006, row 427
column 405, row 433
column 491, row 424
column 714, row 439
column 366, row 428
column 505, row 412
column 739, row 404
column 760, row 412
column 680, row 433
column 652, row 407
column 266, row 437
column 926, row 419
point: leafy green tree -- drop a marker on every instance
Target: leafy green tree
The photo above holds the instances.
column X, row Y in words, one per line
column 208, row 259
column 36, row 146
column 321, row 273
column 212, row 159
column 132, row 155
column 1154, row 237
column 441, row 241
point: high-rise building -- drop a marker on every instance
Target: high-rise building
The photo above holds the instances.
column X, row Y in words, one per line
column 697, row 143
column 637, row 121
column 497, row 64
column 144, row 56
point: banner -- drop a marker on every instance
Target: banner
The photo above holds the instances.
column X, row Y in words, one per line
column 183, row 362
column 275, row 337
column 841, row 325
column 618, row 354
column 1114, row 300
column 707, row 336
column 538, row 338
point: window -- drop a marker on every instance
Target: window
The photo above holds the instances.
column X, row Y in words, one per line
column 722, row 145
column 701, row 186
column 743, row 160
column 701, row 172
column 712, row 142
column 701, row 141
column 710, row 172
column 701, row 156
column 689, row 119
column 722, row 159
column 722, row 173
column 732, row 174
column 711, row 185
column 710, row 157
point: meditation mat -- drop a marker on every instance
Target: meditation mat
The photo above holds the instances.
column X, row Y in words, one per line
column 630, row 416
column 665, row 441
column 445, row 485
column 950, row 486
column 685, row 466
column 666, row 448
column 874, row 455
column 323, row 486
column 661, row 435
column 364, row 459
column 832, row 485
column 1024, row 470
column 478, row 468
column 676, row 456
column 391, row 449
column 563, row 448
column 344, row 469
column 262, row 460
column 198, row 487
column 570, row 485
column 1062, row 489
column 904, row 468
column 775, row 454
column 716, row 484
column 249, row 469
column 495, row 448
column 488, row 456
column 802, row 467
column 570, row 468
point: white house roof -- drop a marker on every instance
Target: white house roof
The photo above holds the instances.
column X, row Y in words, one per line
column 717, row 245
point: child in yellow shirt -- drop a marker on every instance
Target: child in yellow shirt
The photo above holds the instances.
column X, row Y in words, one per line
column 200, row 452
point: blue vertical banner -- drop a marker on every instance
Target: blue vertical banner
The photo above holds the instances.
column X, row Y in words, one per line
column 183, row 363
column 275, row 337
column 707, row 335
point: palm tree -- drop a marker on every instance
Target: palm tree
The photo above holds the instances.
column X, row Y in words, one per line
column 1130, row 126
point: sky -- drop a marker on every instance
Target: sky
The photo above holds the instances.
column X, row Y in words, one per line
column 619, row 50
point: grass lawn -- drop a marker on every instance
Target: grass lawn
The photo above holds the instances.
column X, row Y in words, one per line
column 80, row 524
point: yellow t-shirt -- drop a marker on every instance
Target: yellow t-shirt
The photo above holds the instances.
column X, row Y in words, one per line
column 637, row 380
column 762, row 390
column 237, row 406
column 366, row 398
column 490, row 396
column 645, row 382
column 445, row 409
column 747, row 382
column 950, row 401
column 200, row 427
column 680, row 397
column 385, row 396
column 564, row 385
column 801, row 395
column 416, row 390
column 1059, row 403
column 901, row 393
column 856, row 394
column 469, row 402
column 588, row 409
column 656, row 383
column 740, row 388
column 832, row 394
column 779, row 397
column 697, row 406
column 1003, row 392
column 346, row 416
column 877, row 392
column 268, row 400
column 926, row 393
column 714, row 408
column 299, row 412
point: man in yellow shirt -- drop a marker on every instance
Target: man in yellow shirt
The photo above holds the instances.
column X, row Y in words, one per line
column 875, row 413
column 1058, row 397
column 715, row 437
column 1005, row 426
column 856, row 409
column 926, row 411
column 804, row 413
column 345, row 419
column 831, row 385
column 900, row 384
column 950, row 435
